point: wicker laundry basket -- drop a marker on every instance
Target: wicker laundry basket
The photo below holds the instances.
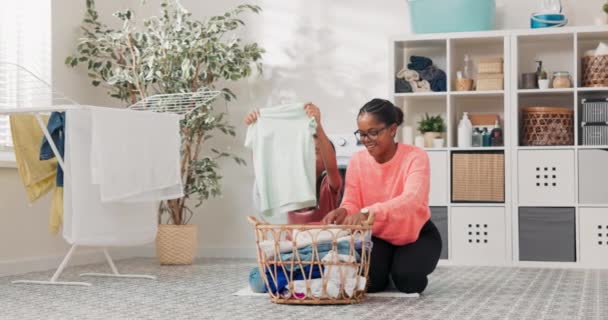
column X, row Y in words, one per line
column 339, row 277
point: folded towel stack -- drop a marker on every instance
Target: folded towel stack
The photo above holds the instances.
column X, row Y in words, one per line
column 420, row 75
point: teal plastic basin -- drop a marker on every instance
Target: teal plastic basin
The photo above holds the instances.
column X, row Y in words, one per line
column 433, row 16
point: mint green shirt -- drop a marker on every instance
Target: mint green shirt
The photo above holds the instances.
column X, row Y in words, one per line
column 283, row 160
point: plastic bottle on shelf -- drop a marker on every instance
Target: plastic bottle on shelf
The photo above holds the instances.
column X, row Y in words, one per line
column 465, row 130
column 468, row 67
column 496, row 136
column 485, row 137
column 476, row 138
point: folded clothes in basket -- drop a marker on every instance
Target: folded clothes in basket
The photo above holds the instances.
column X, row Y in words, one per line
column 305, row 238
column 309, row 253
column 334, row 276
column 280, row 280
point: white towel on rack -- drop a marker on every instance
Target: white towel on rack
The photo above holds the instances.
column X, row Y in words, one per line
column 87, row 220
column 136, row 155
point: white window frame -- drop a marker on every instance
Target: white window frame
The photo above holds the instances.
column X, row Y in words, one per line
column 25, row 39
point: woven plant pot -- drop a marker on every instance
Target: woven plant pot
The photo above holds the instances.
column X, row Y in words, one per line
column 176, row 244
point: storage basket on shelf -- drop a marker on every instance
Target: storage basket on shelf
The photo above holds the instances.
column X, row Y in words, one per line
column 547, row 126
column 595, row 122
column 595, row 71
column 431, row 16
column 490, row 81
column 478, row 176
column 314, row 264
column 490, row 65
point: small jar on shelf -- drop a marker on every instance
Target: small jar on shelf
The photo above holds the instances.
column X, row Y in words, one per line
column 561, row 79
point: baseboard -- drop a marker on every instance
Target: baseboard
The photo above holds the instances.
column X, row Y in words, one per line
column 50, row 263
column 227, row 253
column 220, row 253
column 88, row 256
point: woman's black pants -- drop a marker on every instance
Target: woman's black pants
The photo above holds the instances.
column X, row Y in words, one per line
column 408, row 265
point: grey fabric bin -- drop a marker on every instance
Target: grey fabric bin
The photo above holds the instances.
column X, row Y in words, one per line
column 592, row 175
column 439, row 216
column 547, row 234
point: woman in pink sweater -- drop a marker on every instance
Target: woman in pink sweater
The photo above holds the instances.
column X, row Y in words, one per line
column 391, row 180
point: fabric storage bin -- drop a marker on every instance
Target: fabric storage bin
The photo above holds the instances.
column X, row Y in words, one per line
column 432, row 16
column 478, row 235
column 478, row 176
column 547, row 126
column 593, row 234
column 439, row 216
column 592, row 176
column 547, row 234
column 595, row 111
column 595, row 135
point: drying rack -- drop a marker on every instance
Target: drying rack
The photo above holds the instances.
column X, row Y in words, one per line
column 31, row 94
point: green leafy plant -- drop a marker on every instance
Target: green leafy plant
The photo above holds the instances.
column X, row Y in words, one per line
column 431, row 124
column 173, row 53
column 605, row 7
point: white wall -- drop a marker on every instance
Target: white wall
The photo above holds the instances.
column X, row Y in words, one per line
column 330, row 52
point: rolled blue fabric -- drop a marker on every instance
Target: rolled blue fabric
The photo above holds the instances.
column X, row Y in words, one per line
column 419, row 63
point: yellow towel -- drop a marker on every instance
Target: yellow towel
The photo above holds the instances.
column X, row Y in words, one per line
column 56, row 217
column 37, row 176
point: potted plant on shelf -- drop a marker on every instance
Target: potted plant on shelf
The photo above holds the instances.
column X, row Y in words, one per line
column 432, row 127
column 543, row 78
column 173, row 53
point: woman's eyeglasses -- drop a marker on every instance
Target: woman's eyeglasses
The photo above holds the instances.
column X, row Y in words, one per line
column 371, row 134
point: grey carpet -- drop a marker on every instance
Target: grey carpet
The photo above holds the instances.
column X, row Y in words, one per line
column 204, row 291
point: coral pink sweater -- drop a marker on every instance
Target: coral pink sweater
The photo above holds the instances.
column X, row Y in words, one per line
column 396, row 191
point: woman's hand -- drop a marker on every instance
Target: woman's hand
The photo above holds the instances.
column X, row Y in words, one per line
column 252, row 117
column 335, row 217
column 355, row 219
column 313, row 112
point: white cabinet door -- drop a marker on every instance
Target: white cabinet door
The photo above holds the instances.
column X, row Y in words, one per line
column 439, row 178
column 478, row 235
column 546, row 178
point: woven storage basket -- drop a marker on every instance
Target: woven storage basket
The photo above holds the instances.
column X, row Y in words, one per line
column 494, row 65
column 176, row 244
column 595, row 71
column 547, row 126
column 279, row 258
column 490, row 81
column 478, row 177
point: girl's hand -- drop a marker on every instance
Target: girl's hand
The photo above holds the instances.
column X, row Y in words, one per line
column 335, row 217
column 313, row 111
column 252, row 117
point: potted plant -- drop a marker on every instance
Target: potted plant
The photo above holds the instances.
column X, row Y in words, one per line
column 173, row 53
column 543, row 78
column 432, row 128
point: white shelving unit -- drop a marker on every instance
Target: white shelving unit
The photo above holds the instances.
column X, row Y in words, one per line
column 573, row 226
